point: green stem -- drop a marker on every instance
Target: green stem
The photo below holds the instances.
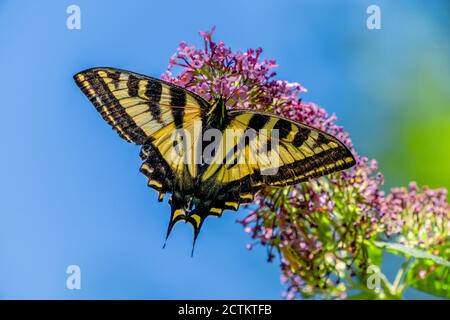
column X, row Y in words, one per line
column 385, row 292
column 397, row 288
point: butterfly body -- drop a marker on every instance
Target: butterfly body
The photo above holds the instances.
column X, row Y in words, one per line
column 192, row 200
column 208, row 158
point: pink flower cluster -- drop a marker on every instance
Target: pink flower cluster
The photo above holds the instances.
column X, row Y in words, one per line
column 417, row 219
column 246, row 81
column 320, row 228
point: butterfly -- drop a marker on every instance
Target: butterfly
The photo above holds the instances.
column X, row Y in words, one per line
column 172, row 124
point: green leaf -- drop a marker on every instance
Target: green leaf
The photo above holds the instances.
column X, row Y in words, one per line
column 436, row 282
column 363, row 296
column 413, row 252
column 373, row 253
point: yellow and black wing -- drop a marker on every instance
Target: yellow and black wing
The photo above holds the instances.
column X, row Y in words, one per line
column 243, row 162
column 298, row 153
column 138, row 106
column 147, row 111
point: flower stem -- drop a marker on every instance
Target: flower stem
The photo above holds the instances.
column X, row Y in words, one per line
column 397, row 288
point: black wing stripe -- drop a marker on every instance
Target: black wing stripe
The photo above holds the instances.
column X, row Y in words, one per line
column 132, row 84
column 258, row 121
column 153, row 90
column 300, row 137
column 283, row 127
column 178, row 97
column 155, row 110
column 109, row 107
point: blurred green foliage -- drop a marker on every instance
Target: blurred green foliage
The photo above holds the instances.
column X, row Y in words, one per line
column 418, row 146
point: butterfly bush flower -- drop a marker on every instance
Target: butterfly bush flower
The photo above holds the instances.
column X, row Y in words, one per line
column 418, row 219
column 321, row 229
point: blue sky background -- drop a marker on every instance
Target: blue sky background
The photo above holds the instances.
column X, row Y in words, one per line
column 70, row 188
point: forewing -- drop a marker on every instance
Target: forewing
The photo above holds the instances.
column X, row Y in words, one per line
column 300, row 153
column 147, row 111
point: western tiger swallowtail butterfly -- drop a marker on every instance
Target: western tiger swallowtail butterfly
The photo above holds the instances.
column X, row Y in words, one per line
column 148, row 111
